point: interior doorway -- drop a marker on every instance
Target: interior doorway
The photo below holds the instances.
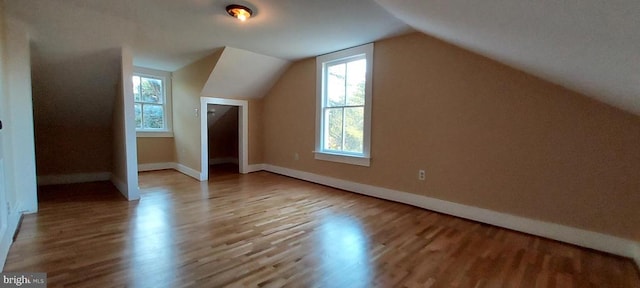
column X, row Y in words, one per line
column 223, row 139
column 222, row 112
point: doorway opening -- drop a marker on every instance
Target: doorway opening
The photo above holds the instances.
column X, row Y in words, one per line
column 223, row 130
column 223, row 139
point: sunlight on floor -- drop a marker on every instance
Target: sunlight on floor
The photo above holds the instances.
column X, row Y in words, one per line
column 344, row 252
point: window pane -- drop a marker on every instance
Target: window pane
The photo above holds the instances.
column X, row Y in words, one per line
column 356, row 73
column 333, row 129
column 138, row 109
column 336, row 85
column 136, row 88
column 353, row 129
column 153, row 116
column 151, row 90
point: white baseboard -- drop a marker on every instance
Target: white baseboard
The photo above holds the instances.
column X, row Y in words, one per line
column 226, row 160
column 254, row 168
column 580, row 237
column 73, row 178
column 170, row 165
column 156, row 166
column 188, row 171
column 6, row 238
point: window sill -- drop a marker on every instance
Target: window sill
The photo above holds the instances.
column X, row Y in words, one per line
column 342, row 158
column 152, row 134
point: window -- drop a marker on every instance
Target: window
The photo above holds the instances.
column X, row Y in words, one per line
column 343, row 113
column 152, row 102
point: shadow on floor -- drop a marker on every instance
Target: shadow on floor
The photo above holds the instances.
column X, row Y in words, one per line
column 102, row 191
column 222, row 170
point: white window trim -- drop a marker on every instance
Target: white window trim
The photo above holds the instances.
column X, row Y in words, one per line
column 365, row 158
column 166, row 81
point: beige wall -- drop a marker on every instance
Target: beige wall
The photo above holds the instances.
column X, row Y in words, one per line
column 67, row 150
column 256, row 131
column 74, row 98
column 488, row 136
column 156, row 150
column 73, row 128
column 187, row 86
column 118, row 147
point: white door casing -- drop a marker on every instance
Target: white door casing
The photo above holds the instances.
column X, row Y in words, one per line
column 243, row 123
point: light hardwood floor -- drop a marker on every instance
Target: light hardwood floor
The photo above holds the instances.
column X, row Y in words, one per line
column 268, row 230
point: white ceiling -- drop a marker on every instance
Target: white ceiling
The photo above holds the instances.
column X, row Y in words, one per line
column 242, row 74
column 591, row 46
column 215, row 112
column 168, row 34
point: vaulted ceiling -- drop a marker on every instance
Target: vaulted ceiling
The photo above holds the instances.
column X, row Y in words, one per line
column 590, row 46
column 168, row 34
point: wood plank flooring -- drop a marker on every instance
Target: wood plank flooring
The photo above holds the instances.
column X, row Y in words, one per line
column 266, row 230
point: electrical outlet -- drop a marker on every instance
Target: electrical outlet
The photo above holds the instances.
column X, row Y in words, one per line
column 296, row 156
column 421, row 175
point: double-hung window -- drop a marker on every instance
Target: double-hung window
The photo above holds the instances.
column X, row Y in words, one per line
column 152, row 102
column 343, row 116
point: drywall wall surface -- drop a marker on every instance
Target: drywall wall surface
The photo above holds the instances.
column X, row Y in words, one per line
column 73, row 102
column 18, row 191
column 155, row 150
column 63, row 150
column 125, row 164
column 487, row 135
column 19, row 123
column 187, row 85
column 256, row 131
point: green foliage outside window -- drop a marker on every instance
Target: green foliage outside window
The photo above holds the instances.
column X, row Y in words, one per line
column 344, row 107
column 149, row 97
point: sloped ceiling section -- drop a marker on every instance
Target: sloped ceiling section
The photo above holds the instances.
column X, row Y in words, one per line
column 169, row 34
column 75, row 92
column 215, row 112
column 590, row 46
column 241, row 74
column 75, row 66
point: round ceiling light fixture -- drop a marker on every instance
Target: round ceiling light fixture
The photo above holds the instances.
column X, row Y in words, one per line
column 238, row 11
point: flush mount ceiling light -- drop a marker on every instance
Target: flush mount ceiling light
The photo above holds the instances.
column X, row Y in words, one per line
column 238, row 11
